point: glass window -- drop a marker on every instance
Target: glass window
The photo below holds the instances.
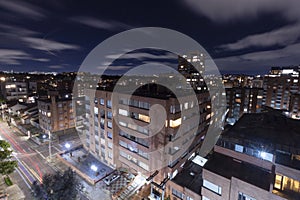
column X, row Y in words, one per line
column 122, row 123
column 109, row 134
column 109, row 124
column 177, row 193
column 102, row 101
column 144, row 118
column 144, row 166
column 110, row 145
column 175, row 123
column 213, row 187
column 109, row 115
column 123, row 144
column 108, row 103
column 123, row 112
column 239, row 148
column 243, row 196
column 278, row 181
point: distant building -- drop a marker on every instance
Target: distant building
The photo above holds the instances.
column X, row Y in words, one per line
column 236, row 80
column 294, row 106
column 14, row 90
column 279, row 84
column 192, row 67
column 242, row 100
column 56, row 113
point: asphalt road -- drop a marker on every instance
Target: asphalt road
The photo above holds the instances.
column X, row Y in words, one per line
column 31, row 157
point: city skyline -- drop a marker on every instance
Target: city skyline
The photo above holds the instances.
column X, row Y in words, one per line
column 247, row 38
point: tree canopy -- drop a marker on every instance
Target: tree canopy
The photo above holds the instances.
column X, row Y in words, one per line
column 57, row 186
column 7, row 165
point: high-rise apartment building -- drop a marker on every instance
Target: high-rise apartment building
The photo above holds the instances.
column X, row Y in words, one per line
column 132, row 146
column 242, row 100
column 118, row 130
column 279, row 85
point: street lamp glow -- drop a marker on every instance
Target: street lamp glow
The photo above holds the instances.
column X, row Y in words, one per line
column 67, row 145
column 94, row 168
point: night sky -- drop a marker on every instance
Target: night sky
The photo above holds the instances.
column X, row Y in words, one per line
column 243, row 36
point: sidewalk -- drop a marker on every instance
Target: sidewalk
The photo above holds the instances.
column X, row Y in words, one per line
column 11, row 192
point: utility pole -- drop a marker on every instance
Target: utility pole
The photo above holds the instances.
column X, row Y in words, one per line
column 50, row 152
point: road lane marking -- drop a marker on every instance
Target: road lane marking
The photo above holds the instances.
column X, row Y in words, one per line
column 21, row 175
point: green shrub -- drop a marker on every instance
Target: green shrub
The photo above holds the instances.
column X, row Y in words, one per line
column 8, row 181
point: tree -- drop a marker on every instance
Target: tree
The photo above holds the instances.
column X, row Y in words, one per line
column 57, row 186
column 7, row 165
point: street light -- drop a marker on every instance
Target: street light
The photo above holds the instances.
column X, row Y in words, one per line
column 67, row 145
column 94, row 168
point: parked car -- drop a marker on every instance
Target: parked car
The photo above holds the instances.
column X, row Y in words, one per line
column 111, row 178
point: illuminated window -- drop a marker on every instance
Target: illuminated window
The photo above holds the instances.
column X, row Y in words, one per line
column 123, row 112
column 175, row 123
column 290, row 184
column 278, row 182
column 266, row 156
column 238, row 100
column 239, row 148
column 144, row 118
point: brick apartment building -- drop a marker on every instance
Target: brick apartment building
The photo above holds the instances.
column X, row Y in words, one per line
column 119, row 148
column 56, row 112
column 258, row 158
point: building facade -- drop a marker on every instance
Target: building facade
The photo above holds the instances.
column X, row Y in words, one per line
column 56, row 113
column 279, row 84
column 127, row 143
column 294, row 106
column 242, row 100
column 15, row 90
column 260, row 160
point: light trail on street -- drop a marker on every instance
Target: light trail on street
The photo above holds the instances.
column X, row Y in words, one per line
column 29, row 161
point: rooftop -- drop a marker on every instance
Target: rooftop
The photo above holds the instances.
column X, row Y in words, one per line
column 247, row 172
column 270, row 129
column 190, row 177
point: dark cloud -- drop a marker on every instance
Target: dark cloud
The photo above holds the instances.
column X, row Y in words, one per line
column 101, row 24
